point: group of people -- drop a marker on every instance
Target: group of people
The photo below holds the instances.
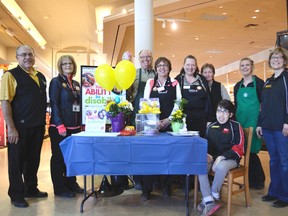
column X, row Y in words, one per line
column 210, row 111
column 263, row 106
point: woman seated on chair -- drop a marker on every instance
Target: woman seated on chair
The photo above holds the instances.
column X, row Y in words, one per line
column 225, row 149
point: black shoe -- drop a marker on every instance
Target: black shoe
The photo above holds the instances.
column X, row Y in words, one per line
column 66, row 194
column 138, row 186
column 37, row 194
column 76, row 188
column 259, row 187
column 166, row 192
column 280, row 204
column 268, row 198
column 20, row 204
column 145, row 197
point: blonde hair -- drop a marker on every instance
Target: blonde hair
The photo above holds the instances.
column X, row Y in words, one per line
column 279, row 50
column 250, row 60
column 60, row 61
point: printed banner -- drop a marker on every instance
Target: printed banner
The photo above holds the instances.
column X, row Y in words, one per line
column 94, row 97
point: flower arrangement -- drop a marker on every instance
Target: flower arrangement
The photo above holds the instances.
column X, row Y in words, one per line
column 149, row 106
column 113, row 108
column 178, row 114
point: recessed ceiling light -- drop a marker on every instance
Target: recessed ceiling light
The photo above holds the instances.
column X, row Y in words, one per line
column 124, row 11
column 254, row 17
column 224, row 13
column 214, row 51
column 257, row 11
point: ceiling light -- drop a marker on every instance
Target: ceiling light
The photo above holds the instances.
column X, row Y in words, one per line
column 257, row 11
column 174, row 25
column 164, row 24
column 21, row 17
column 124, row 11
column 171, row 19
column 214, row 51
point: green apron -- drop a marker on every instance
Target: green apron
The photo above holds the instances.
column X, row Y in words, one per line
column 247, row 112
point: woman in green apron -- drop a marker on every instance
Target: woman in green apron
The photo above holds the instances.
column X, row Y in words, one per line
column 247, row 96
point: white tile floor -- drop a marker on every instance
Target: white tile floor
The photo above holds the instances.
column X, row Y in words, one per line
column 128, row 203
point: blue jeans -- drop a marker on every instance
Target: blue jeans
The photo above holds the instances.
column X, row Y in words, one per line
column 277, row 146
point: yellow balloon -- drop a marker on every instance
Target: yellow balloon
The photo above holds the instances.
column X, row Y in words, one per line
column 118, row 86
column 116, row 83
column 125, row 73
column 105, row 76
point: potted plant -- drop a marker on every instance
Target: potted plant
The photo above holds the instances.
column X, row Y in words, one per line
column 178, row 116
column 117, row 112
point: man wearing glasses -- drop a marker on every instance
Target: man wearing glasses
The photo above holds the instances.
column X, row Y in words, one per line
column 23, row 98
column 142, row 75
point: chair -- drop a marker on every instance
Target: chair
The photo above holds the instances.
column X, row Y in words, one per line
column 241, row 171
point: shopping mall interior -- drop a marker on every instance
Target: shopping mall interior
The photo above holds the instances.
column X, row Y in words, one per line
column 96, row 32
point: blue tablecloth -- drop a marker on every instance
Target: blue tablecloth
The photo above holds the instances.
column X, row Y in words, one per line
column 133, row 155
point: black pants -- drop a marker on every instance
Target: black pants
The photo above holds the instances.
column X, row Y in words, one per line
column 256, row 172
column 23, row 162
column 148, row 181
column 61, row 182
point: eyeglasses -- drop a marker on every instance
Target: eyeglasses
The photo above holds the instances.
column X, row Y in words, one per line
column 145, row 57
column 222, row 111
column 277, row 57
column 67, row 64
column 24, row 55
column 162, row 65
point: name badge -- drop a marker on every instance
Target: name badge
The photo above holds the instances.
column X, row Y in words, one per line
column 76, row 108
column 160, row 89
column 186, row 87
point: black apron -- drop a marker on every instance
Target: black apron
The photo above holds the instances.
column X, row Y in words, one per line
column 166, row 99
column 196, row 95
